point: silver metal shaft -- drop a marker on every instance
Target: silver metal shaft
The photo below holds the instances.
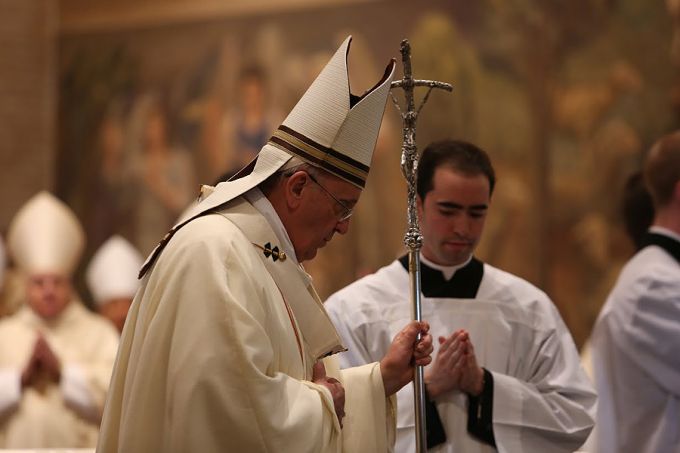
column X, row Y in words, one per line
column 418, row 378
column 413, row 239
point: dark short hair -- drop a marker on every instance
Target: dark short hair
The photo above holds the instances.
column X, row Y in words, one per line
column 637, row 208
column 458, row 155
column 662, row 169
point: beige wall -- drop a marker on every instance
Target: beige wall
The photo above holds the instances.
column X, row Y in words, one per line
column 100, row 15
column 27, row 100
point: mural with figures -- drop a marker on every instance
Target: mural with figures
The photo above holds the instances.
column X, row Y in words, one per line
column 565, row 96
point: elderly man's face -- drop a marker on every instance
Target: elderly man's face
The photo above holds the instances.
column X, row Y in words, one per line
column 320, row 216
column 48, row 294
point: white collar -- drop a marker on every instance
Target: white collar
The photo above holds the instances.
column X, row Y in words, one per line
column 447, row 271
column 264, row 207
column 665, row 232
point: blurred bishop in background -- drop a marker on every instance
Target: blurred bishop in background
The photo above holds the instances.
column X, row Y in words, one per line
column 56, row 356
column 112, row 278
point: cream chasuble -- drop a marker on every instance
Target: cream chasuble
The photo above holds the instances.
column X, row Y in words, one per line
column 218, row 349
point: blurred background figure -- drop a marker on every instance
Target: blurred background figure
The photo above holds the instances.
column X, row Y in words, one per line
column 3, row 264
column 110, row 194
column 3, row 261
column 11, row 284
column 247, row 125
column 112, row 279
column 637, row 212
column 635, row 340
column 55, row 356
column 165, row 173
column 637, row 209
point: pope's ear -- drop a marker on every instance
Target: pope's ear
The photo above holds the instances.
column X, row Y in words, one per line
column 295, row 185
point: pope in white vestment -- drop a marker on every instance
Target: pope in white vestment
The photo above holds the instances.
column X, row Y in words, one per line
column 45, row 239
column 218, row 351
column 235, row 345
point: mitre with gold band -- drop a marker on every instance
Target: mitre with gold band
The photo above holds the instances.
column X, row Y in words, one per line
column 45, row 237
column 329, row 128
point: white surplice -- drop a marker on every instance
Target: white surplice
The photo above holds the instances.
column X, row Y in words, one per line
column 636, row 357
column 542, row 399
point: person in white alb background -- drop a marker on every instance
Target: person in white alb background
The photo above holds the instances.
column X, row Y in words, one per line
column 636, row 339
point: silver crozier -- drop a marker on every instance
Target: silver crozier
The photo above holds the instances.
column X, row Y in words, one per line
column 413, row 239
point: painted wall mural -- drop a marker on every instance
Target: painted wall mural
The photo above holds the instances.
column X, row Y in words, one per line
column 565, row 96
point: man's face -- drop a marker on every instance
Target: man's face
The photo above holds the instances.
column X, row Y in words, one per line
column 319, row 216
column 48, row 294
column 452, row 216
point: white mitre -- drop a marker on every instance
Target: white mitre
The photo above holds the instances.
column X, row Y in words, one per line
column 329, row 127
column 45, row 237
column 112, row 272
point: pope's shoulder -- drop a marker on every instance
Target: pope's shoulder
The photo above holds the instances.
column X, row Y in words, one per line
column 212, row 233
column 205, row 242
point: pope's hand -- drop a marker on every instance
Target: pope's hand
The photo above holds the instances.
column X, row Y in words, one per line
column 404, row 353
column 333, row 385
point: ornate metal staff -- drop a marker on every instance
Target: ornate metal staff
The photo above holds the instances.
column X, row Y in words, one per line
column 413, row 239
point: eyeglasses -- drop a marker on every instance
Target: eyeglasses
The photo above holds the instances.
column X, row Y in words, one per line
column 346, row 212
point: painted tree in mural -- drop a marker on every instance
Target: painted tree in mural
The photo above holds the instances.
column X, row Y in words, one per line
column 583, row 66
column 554, row 90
